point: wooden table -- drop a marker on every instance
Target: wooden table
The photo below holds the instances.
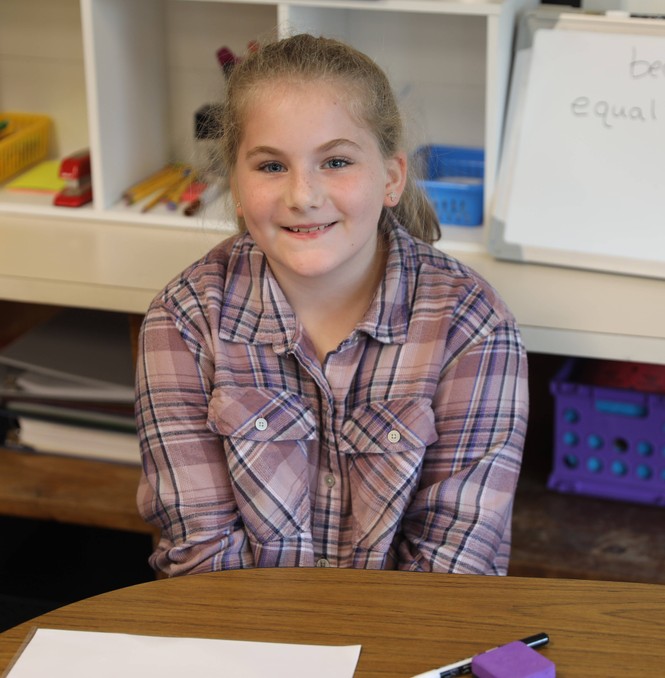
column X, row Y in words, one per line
column 406, row 622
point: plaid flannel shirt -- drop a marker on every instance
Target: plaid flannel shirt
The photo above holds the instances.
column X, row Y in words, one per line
column 402, row 450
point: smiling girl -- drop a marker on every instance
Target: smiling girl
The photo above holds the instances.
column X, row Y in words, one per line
column 326, row 388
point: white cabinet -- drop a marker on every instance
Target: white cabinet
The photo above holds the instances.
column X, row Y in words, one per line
column 124, row 78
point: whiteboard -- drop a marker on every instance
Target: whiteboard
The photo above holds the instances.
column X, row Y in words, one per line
column 582, row 182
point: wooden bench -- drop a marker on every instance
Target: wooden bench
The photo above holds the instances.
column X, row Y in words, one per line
column 70, row 490
column 572, row 536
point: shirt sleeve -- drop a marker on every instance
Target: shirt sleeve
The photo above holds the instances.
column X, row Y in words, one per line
column 460, row 518
column 185, row 489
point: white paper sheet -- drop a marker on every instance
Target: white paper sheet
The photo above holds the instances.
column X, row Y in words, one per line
column 82, row 654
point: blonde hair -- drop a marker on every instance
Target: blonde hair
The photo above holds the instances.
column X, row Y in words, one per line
column 304, row 57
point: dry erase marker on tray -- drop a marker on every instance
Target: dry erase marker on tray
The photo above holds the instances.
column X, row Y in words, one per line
column 463, row 667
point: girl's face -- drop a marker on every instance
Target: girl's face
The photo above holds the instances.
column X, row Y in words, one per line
column 311, row 182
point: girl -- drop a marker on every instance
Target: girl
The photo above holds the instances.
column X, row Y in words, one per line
column 326, row 388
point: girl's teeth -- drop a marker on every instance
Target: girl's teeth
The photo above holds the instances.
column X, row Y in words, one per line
column 308, row 230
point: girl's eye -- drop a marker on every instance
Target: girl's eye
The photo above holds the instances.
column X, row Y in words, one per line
column 337, row 163
column 271, row 167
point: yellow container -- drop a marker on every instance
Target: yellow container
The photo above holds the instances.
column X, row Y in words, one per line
column 23, row 142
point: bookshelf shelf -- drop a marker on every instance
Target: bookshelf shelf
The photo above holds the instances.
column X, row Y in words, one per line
column 130, row 76
column 80, row 491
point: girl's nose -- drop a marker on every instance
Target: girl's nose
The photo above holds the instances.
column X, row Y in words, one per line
column 305, row 191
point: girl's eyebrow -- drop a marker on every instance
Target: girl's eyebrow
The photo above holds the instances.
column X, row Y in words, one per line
column 262, row 150
column 328, row 146
column 334, row 143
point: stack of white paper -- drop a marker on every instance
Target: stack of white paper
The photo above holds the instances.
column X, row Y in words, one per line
column 82, row 654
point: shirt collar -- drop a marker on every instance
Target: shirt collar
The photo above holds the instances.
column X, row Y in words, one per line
column 255, row 310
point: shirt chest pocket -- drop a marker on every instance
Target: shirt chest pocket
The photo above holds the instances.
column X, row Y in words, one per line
column 266, row 434
column 384, row 444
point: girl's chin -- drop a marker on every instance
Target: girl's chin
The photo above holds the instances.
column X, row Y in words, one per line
column 308, row 265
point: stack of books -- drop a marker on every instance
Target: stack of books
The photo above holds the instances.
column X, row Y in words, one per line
column 67, row 387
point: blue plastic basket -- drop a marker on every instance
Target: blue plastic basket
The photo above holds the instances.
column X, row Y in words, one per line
column 453, row 180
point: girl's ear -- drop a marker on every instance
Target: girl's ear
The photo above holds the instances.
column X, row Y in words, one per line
column 396, row 169
column 236, row 199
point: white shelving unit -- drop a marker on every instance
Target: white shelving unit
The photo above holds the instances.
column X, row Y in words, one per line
column 124, row 78
column 141, row 68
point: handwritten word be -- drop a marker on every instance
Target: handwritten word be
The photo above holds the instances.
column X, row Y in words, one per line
column 641, row 68
column 610, row 114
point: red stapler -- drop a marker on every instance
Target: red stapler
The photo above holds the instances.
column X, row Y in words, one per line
column 75, row 169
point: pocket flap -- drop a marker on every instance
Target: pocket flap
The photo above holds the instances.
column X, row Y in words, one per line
column 260, row 414
column 389, row 426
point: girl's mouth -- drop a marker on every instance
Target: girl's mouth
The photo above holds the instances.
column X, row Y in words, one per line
column 309, row 229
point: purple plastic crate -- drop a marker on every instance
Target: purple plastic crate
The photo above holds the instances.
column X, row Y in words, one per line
column 609, row 442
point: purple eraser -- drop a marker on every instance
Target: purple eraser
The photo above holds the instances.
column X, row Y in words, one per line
column 514, row 660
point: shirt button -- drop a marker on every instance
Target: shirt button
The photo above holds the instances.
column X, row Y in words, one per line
column 394, row 436
column 261, row 424
column 323, row 562
column 330, row 480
